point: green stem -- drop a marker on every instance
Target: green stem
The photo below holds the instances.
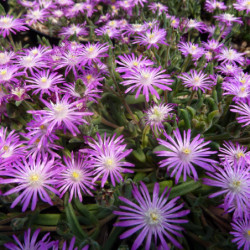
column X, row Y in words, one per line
column 191, row 98
column 12, row 42
column 221, row 33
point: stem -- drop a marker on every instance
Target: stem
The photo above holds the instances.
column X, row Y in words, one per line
column 110, row 124
column 221, row 33
column 191, row 98
column 12, row 42
column 143, row 170
column 185, row 64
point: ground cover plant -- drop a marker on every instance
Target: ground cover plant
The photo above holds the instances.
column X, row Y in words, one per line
column 124, row 124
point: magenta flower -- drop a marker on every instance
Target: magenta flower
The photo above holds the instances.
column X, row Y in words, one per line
column 157, row 114
column 110, row 32
column 211, row 5
column 181, row 154
column 72, row 245
column 64, row 113
column 233, row 153
column 128, row 62
column 9, row 73
column 194, row 24
column 228, row 55
column 107, row 158
column 31, row 242
column 154, row 217
column 212, row 45
column 228, row 69
column 11, row 148
column 145, row 78
column 234, row 183
column 34, row 177
column 243, row 109
column 36, row 15
column 7, row 57
column 92, row 52
column 242, row 5
column 174, row 22
column 241, row 233
column 45, row 82
column 228, row 19
column 196, row 80
column 151, row 38
column 77, row 29
column 154, row 7
column 10, row 25
column 191, row 49
column 76, row 177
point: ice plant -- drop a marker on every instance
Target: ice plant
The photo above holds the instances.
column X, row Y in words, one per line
column 241, row 233
column 34, row 177
column 62, row 113
column 107, row 158
column 191, row 49
column 144, row 79
column 243, row 109
column 157, row 114
column 229, row 55
column 182, row 154
column 242, row 5
column 234, row 183
column 196, row 80
column 76, row 177
column 153, row 218
column 31, row 242
column 8, row 24
column 228, row 19
column 212, row 5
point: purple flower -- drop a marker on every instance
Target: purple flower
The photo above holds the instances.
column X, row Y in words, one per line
column 241, row 233
column 154, row 217
column 30, row 242
column 151, row 38
column 110, row 32
column 34, row 177
column 7, row 57
column 196, row 80
column 212, row 45
column 76, row 177
column 92, row 52
column 210, row 6
column 228, row 19
column 228, row 55
column 243, row 109
column 107, row 158
column 44, row 82
column 194, row 24
column 157, row 114
column 191, row 49
column 145, row 78
column 233, row 153
column 174, row 22
column 9, row 73
column 181, row 154
column 72, row 244
column 77, row 29
column 11, row 148
column 154, row 7
column 36, row 15
column 234, row 182
column 128, row 62
column 242, row 5
column 228, row 69
column 64, row 113
column 10, row 25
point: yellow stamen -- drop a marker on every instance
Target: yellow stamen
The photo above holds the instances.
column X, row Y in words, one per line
column 240, row 154
column 90, row 49
column 135, row 63
column 75, row 175
column 3, row 72
column 154, row 217
column 34, row 177
column 43, row 79
column 193, row 47
column 174, row 21
column 5, row 148
column 89, row 77
column 242, row 89
column 186, row 151
column 248, row 231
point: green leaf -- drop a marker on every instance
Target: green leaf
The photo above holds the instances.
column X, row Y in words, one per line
column 72, row 220
column 47, row 219
column 2, row 11
column 139, row 155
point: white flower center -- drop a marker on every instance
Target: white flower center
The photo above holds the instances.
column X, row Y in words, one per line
column 61, row 111
column 35, row 180
column 146, row 79
column 109, row 163
column 235, row 186
column 76, row 176
column 153, row 217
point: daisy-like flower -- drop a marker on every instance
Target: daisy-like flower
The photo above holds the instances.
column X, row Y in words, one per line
column 212, row 45
column 89, row 7
column 92, row 52
column 228, row 69
column 127, row 62
column 241, row 233
column 36, row 15
column 145, row 78
column 242, row 5
column 8, row 24
column 71, row 245
column 151, row 38
column 157, row 114
column 34, row 177
column 44, row 82
column 11, row 148
column 182, row 153
column 64, row 113
column 191, row 49
column 135, row 28
column 107, row 158
column 110, row 32
column 6, row 57
column 76, row 177
column 154, row 217
column 174, row 22
column 154, row 7
column 31, row 242
column 234, row 181
column 77, row 29
column 240, row 92
column 243, row 110
column 228, row 19
column 194, row 24
column 9, row 73
column 211, row 5
column 228, row 55
column 233, row 153
column 196, row 80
